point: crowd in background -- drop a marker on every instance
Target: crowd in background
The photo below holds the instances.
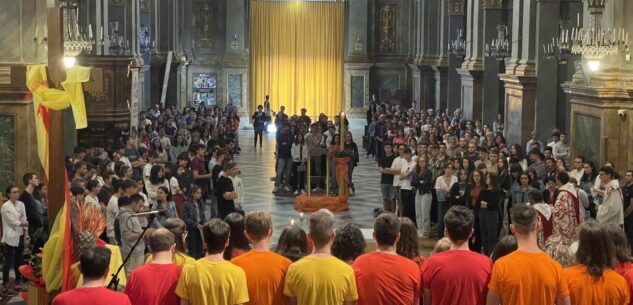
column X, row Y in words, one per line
column 441, row 175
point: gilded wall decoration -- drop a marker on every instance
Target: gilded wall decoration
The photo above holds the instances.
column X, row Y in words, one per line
column 492, row 4
column 146, row 5
column 388, row 28
column 204, row 26
column 456, row 7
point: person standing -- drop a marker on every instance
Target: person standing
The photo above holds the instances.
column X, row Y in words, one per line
column 265, row 270
column 527, row 276
column 387, row 189
column 384, row 277
column 94, row 266
column 443, row 186
column 194, row 219
column 567, row 216
column 627, row 195
column 34, row 212
column 155, row 283
column 14, row 236
column 611, row 209
column 300, row 156
column 213, row 280
column 489, row 202
column 423, row 181
column 267, row 112
column 407, row 192
column 130, row 231
column 284, row 159
column 321, row 278
column 225, row 191
column 259, row 123
column 465, row 283
column 592, row 280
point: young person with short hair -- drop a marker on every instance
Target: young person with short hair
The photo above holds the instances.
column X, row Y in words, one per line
column 155, row 283
column 446, row 282
column 527, row 276
column 94, row 266
column 383, row 276
column 213, row 280
column 321, row 278
column 265, row 270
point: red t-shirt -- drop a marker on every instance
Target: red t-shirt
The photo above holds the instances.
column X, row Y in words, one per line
column 622, row 268
column 457, row 277
column 198, row 164
column 385, row 279
column 154, row 284
column 92, row 296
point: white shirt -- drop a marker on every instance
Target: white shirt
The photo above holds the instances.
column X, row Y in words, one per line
column 405, row 184
column 577, row 174
column 12, row 215
column 125, row 161
column 112, row 210
column 397, row 164
column 93, row 201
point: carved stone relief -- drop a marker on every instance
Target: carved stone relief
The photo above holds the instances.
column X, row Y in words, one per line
column 388, row 28
column 456, row 7
column 491, row 4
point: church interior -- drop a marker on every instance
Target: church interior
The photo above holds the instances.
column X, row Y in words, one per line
column 77, row 77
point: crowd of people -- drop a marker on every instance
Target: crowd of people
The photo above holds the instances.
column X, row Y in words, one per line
column 518, row 219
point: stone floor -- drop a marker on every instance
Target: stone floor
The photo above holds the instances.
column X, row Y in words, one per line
column 257, row 166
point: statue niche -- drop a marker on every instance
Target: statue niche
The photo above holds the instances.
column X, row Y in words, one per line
column 204, row 26
column 387, row 28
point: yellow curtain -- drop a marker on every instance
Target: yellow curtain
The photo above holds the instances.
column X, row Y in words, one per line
column 296, row 55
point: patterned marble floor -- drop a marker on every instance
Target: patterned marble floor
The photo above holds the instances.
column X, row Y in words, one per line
column 257, row 166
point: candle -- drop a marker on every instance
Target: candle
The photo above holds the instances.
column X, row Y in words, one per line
column 102, row 33
column 90, row 30
column 37, row 28
column 292, row 222
column 626, row 39
column 342, row 132
column 578, row 19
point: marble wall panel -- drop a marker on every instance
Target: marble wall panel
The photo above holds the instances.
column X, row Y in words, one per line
column 7, row 151
column 234, row 82
column 587, row 134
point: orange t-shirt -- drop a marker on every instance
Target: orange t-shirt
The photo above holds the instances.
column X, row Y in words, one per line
column 265, row 273
column 610, row 289
column 525, row 278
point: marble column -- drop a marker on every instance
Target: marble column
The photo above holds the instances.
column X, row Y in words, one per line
column 520, row 78
column 455, row 11
column 472, row 68
column 491, row 83
column 547, row 28
column 440, row 67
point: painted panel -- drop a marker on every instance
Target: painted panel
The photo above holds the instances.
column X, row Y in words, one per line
column 358, row 91
column 234, row 82
column 7, row 151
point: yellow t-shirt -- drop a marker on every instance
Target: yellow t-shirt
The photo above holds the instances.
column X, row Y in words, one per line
column 323, row 281
column 220, row 283
column 180, row 259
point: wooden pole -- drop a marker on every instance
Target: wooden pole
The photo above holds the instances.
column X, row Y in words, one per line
column 56, row 74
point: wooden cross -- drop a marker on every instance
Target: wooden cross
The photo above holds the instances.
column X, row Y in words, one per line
column 56, row 74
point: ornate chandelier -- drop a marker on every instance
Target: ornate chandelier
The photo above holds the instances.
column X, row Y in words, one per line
column 458, row 46
column 76, row 40
column 500, row 46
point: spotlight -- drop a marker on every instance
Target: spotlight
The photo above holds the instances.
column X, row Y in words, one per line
column 271, row 128
column 594, row 65
column 69, row 61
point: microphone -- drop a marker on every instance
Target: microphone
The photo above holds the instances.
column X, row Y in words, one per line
column 152, row 213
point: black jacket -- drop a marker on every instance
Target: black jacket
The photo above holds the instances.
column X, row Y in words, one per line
column 460, row 199
column 422, row 181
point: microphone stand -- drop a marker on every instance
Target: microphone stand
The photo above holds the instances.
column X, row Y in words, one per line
column 114, row 282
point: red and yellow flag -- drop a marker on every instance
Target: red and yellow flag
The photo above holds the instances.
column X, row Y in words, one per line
column 57, row 256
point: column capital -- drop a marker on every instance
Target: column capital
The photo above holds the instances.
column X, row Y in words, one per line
column 455, row 7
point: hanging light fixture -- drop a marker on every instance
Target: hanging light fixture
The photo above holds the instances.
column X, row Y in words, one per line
column 597, row 41
column 76, row 39
column 458, row 46
column 500, row 46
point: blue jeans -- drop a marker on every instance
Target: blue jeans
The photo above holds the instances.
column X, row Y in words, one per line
column 283, row 172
